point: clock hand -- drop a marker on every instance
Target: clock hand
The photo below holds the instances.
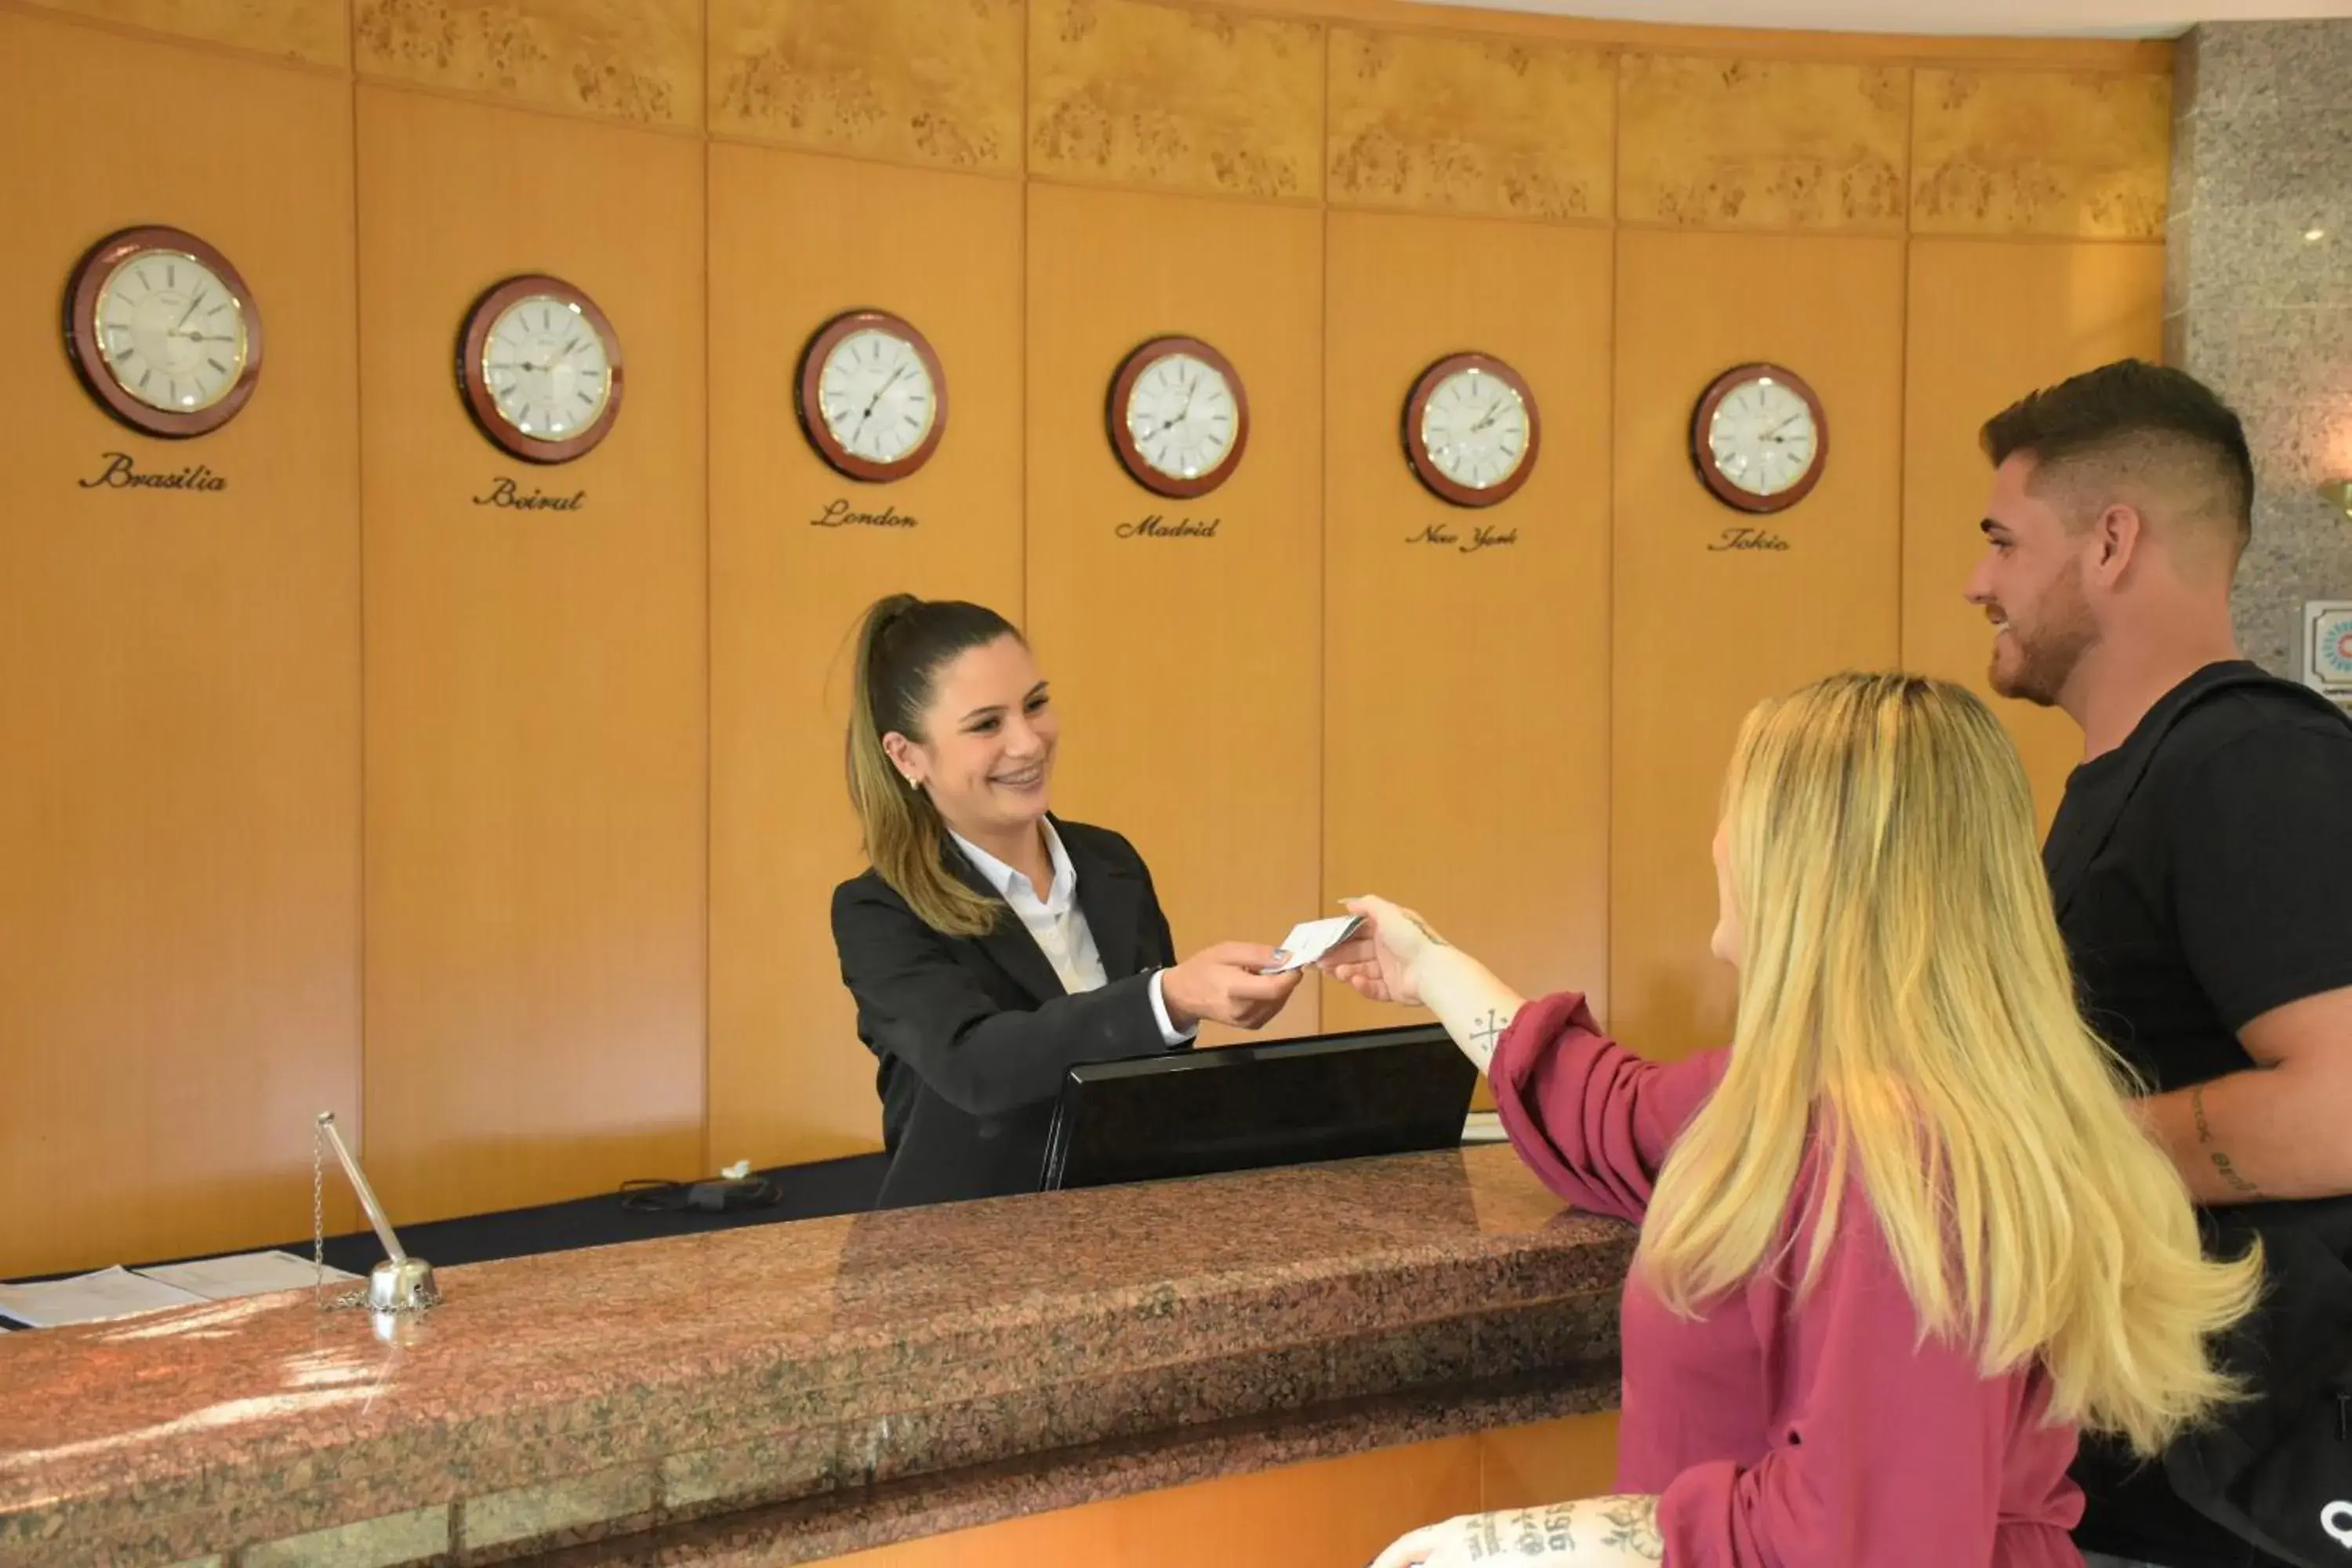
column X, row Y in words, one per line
column 191, row 310
column 871, row 402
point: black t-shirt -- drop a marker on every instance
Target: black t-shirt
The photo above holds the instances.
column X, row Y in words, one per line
column 2199, row 871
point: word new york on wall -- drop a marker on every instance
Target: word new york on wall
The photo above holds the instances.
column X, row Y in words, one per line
column 1485, row 537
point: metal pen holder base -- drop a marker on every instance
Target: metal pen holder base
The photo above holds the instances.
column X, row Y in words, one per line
column 405, row 1285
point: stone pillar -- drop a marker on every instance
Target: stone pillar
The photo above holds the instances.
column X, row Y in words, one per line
column 2258, row 293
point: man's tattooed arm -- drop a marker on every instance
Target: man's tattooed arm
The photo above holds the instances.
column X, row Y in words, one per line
column 2229, row 1172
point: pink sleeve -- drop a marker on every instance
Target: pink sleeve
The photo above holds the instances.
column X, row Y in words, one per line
column 1589, row 1118
column 1881, row 1450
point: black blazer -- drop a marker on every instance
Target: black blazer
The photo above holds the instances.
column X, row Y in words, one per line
column 974, row 1035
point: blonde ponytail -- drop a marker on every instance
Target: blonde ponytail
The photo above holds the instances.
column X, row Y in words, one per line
column 902, row 643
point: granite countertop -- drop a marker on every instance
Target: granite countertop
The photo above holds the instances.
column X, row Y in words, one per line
column 817, row 1386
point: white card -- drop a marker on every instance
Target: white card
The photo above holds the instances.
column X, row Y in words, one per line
column 1310, row 939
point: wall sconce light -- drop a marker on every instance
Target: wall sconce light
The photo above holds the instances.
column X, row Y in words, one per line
column 2340, row 492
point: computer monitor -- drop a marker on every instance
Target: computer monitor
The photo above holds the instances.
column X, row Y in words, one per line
column 1197, row 1112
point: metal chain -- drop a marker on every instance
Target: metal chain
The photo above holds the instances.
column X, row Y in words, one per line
column 318, row 1213
column 349, row 1299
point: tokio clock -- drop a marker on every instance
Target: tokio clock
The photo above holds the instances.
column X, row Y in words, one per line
column 162, row 332
column 1178, row 416
column 539, row 368
column 871, row 397
column 1759, row 439
column 1471, row 429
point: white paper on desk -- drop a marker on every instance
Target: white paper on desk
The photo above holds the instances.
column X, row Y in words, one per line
column 1310, row 939
column 247, row 1274
column 86, row 1299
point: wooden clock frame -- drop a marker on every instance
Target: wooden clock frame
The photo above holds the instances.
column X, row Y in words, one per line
column 809, row 405
column 1130, row 456
column 1703, row 456
column 1416, row 449
column 473, row 383
column 85, row 286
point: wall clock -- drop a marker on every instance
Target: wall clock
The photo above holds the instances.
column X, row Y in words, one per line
column 872, row 398
column 162, row 332
column 539, row 368
column 1178, row 416
column 1471, row 429
column 1760, row 438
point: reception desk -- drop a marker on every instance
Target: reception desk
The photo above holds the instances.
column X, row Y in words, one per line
column 802, row 1390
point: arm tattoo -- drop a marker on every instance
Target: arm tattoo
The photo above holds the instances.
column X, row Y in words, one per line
column 2238, row 1183
column 1487, row 1033
column 1634, row 1525
column 1423, row 927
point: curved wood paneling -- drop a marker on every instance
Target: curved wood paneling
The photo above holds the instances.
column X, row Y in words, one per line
column 1466, row 684
column 1188, row 669
column 2064, row 308
column 1702, row 630
column 179, row 807
column 536, row 729
column 794, row 239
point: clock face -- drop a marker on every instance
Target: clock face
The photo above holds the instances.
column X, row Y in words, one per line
column 1471, row 429
column 548, row 373
column 162, row 332
column 172, row 332
column 541, row 369
column 1758, row 438
column 1180, row 418
column 872, row 396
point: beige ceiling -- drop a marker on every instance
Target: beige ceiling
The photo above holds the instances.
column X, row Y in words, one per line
column 2102, row 18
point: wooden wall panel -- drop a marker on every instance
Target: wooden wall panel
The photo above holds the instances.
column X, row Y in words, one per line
column 1335, row 1512
column 1478, row 126
column 794, row 239
column 2064, row 308
column 2051, row 153
column 536, row 722
column 179, row 803
column 544, row 998
column 316, row 32
column 1338, row 1511
column 1467, row 687
column 911, row 80
column 1749, row 144
column 639, row 61
column 1548, row 1461
column 1704, row 632
column 1217, row 102
column 1188, row 669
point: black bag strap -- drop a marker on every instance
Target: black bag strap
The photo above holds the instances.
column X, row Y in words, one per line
column 2067, row 878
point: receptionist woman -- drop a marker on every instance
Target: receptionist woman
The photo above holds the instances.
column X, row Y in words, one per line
column 990, row 945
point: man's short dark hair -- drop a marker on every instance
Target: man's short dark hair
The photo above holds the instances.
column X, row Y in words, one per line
column 2150, row 420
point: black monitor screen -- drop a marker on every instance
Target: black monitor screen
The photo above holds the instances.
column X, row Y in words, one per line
column 1192, row 1113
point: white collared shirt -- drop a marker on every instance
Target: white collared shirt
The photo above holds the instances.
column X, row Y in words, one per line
column 1057, row 923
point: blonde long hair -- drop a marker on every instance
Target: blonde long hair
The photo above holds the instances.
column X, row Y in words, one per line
column 1905, row 998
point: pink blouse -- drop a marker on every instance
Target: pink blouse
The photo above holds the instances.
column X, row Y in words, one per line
column 1779, row 1434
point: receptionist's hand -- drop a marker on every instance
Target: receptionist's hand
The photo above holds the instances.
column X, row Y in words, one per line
column 1222, row 985
column 1379, row 964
